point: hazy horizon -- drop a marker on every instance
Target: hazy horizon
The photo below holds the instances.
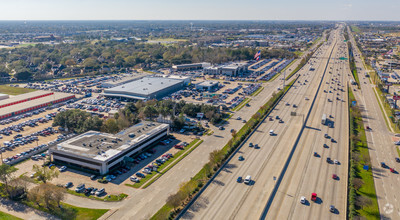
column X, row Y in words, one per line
column 251, row 10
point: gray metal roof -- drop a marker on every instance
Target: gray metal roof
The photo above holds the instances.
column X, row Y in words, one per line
column 144, row 86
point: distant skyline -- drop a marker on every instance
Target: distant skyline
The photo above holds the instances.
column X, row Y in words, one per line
column 383, row 10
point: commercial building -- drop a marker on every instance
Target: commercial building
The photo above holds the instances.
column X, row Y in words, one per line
column 4, row 96
column 102, row 152
column 233, row 69
column 146, row 88
column 30, row 101
column 207, row 86
column 190, row 66
column 126, row 78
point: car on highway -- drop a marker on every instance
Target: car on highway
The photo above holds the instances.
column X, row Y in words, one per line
column 383, row 165
column 328, row 160
column 335, row 161
column 334, row 176
column 271, row 119
column 271, row 132
column 239, row 118
column 397, row 159
column 239, row 179
column 221, row 128
column 303, row 200
column 247, row 180
column 256, row 146
column 287, row 104
column 251, row 145
column 392, row 170
column 306, row 98
column 332, row 208
column 277, row 117
column 316, row 154
column 314, row 197
column 280, row 121
column 325, row 146
column 241, row 158
column 397, row 142
column 294, row 106
column 326, row 136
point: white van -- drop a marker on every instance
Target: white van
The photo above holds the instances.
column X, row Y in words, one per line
column 247, row 180
column 271, row 132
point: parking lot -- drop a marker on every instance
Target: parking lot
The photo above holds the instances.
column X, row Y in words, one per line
column 115, row 186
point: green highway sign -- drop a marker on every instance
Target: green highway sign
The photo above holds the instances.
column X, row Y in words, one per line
column 343, row 58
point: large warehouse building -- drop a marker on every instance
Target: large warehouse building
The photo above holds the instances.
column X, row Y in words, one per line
column 146, row 88
column 102, row 152
column 30, row 101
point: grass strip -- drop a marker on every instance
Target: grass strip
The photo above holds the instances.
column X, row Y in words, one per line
column 362, row 200
column 255, row 93
column 175, row 162
column 6, row 216
column 7, row 89
column 241, row 105
column 69, row 212
column 164, row 165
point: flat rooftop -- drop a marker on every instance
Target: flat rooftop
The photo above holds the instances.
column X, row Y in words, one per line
column 144, row 86
column 24, row 96
column 208, row 83
column 102, row 146
column 32, row 103
column 125, row 79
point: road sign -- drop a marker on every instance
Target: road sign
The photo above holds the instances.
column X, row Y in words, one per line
column 396, row 97
column 353, row 103
column 365, row 167
column 343, row 58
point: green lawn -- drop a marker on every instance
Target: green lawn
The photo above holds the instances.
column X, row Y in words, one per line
column 6, row 89
column 5, row 216
column 70, row 212
column 355, row 29
column 367, row 189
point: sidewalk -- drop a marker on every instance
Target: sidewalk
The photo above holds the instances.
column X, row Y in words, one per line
column 22, row 211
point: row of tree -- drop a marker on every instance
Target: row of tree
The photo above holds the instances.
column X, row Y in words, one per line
column 80, row 121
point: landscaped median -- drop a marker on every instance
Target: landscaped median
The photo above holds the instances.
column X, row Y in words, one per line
column 255, row 93
column 150, row 178
column 176, row 202
column 302, row 62
column 362, row 201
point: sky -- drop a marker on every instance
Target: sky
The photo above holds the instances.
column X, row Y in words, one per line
column 200, row 10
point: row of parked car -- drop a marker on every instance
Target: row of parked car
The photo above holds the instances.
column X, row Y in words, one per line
column 151, row 167
column 87, row 191
column 26, row 153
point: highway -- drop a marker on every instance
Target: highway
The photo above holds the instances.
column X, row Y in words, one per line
column 380, row 144
column 308, row 173
column 227, row 199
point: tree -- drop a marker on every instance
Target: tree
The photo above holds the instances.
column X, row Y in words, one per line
column 111, row 126
column 45, row 173
column 6, row 172
column 23, row 75
column 150, row 111
column 34, row 195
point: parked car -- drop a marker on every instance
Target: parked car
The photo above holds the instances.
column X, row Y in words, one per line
column 68, row 185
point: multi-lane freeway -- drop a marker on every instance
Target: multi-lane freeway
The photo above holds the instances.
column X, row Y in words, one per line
column 288, row 156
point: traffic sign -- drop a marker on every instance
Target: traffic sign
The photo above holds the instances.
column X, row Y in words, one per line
column 365, row 167
column 396, row 97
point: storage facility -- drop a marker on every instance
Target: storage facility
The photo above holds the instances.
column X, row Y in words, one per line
column 30, row 101
column 146, row 88
column 101, row 153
